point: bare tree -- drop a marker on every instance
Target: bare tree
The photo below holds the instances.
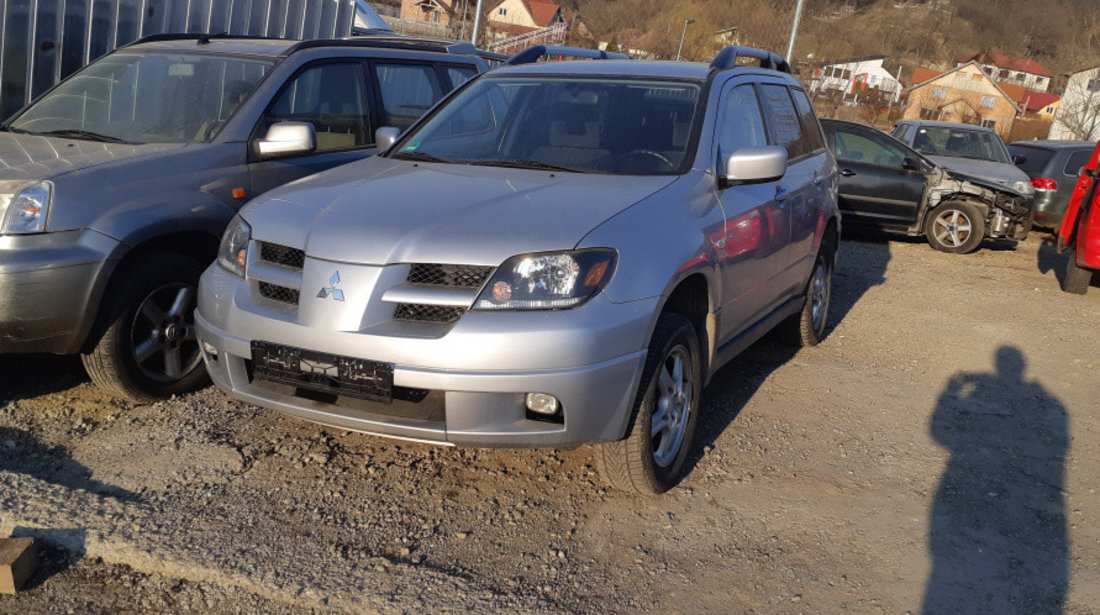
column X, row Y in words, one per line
column 1079, row 114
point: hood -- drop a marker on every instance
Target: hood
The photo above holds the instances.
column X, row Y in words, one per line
column 1001, row 174
column 34, row 157
column 380, row 211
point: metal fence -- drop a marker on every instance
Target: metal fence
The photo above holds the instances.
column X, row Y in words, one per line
column 44, row 41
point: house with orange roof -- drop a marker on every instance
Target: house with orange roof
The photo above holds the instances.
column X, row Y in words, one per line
column 432, row 11
column 509, row 19
column 1023, row 72
column 965, row 94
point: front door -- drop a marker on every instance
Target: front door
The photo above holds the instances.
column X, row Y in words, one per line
column 875, row 185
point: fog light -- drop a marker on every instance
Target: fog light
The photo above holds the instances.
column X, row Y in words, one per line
column 541, row 403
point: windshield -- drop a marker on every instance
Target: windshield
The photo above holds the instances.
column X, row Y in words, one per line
column 960, row 143
column 146, row 98
column 585, row 125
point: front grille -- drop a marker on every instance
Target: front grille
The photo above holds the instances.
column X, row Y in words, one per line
column 457, row 276
column 417, row 312
column 282, row 255
column 282, row 294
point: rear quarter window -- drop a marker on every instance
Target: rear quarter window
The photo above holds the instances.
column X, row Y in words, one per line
column 1076, row 162
column 1035, row 159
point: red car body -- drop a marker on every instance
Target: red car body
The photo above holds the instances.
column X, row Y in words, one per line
column 1080, row 230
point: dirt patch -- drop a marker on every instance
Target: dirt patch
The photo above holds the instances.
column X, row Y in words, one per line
column 938, row 452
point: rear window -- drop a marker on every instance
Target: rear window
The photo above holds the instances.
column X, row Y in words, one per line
column 1076, row 162
column 1036, row 159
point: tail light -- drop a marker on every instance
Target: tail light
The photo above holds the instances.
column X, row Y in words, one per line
column 1044, row 183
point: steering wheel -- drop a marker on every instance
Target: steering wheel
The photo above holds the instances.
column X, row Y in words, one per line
column 648, row 152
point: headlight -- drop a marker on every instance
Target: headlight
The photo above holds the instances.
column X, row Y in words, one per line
column 548, row 281
column 24, row 206
column 233, row 251
column 1024, row 187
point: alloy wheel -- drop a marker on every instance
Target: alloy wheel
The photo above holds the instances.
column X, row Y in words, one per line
column 673, row 407
column 952, row 228
column 165, row 346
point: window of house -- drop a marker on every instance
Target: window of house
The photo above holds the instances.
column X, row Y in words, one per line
column 1093, row 85
column 847, row 74
column 1004, row 74
column 435, row 16
column 502, row 11
column 976, row 77
column 929, row 114
column 988, row 102
column 939, row 92
column 989, row 123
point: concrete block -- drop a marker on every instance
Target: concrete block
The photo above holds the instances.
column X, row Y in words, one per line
column 17, row 562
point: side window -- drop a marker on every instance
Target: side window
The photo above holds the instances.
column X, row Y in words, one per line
column 742, row 124
column 408, row 91
column 460, row 74
column 852, row 146
column 783, row 125
column 811, row 131
column 1076, row 162
column 333, row 98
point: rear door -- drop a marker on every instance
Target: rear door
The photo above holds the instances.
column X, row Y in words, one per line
column 875, row 186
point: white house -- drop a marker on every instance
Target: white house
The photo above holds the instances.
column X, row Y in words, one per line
column 855, row 75
column 1023, row 72
column 1078, row 117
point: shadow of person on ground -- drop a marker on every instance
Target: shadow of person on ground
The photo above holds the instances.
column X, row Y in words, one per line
column 27, row 376
column 21, row 452
column 997, row 532
column 861, row 266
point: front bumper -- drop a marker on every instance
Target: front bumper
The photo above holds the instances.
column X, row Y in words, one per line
column 48, row 283
column 476, row 374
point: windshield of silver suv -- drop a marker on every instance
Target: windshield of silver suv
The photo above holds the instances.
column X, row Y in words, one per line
column 960, row 143
column 146, row 97
column 583, row 125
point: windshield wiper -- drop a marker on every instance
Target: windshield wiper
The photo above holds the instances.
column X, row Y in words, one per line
column 419, row 157
column 526, row 164
column 83, row 134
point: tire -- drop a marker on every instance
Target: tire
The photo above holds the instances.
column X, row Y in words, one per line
column 807, row 328
column 645, row 462
column 152, row 316
column 1077, row 279
column 955, row 227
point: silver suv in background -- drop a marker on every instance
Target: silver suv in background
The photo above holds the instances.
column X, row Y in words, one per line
column 116, row 185
column 560, row 253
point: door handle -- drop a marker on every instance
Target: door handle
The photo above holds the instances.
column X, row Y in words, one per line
column 847, row 172
column 780, row 194
column 818, row 178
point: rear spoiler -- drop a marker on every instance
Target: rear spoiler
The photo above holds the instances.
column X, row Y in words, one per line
column 532, row 54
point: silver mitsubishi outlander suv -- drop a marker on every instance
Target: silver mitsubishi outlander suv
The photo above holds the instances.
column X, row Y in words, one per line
column 558, row 253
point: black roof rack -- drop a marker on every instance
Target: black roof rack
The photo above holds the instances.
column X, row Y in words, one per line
column 532, row 54
column 391, row 41
column 199, row 38
column 727, row 58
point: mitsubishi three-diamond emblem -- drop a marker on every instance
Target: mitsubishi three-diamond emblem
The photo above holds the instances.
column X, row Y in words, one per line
column 331, row 289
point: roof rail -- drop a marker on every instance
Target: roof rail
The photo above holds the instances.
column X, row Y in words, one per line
column 390, row 41
column 199, row 38
column 727, row 58
column 532, row 54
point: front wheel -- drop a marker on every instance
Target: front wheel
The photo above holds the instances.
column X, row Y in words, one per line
column 148, row 349
column 652, row 458
column 956, row 227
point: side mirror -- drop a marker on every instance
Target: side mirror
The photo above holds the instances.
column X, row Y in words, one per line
column 287, row 139
column 1018, row 159
column 910, row 164
column 752, row 165
column 385, row 137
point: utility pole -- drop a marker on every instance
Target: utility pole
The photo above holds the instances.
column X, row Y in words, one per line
column 465, row 12
column 794, row 31
column 477, row 22
column 687, row 22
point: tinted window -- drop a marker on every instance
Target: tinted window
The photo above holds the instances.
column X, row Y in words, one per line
column 333, row 98
column 742, row 124
column 783, row 124
column 408, row 91
column 1035, row 160
column 460, row 74
column 858, row 146
column 1076, row 162
column 810, row 130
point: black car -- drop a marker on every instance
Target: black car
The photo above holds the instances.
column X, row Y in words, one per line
column 1053, row 167
column 886, row 184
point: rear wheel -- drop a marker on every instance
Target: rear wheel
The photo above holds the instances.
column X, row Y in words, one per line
column 1076, row 279
column 807, row 328
column 956, row 227
column 148, row 349
column 652, row 457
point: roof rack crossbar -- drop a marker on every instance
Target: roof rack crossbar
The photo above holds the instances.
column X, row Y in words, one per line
column 727, row 58
column 532, row 54
column 199, row 37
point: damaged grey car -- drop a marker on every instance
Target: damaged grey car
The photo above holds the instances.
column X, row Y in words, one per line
column 887, row 185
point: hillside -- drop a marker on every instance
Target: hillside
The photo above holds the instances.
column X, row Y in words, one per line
column 1064, row 35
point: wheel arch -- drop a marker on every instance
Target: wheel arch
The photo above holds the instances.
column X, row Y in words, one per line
column 691, row 297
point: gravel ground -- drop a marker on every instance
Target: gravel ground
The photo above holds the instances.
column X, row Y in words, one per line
column 937, row 453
